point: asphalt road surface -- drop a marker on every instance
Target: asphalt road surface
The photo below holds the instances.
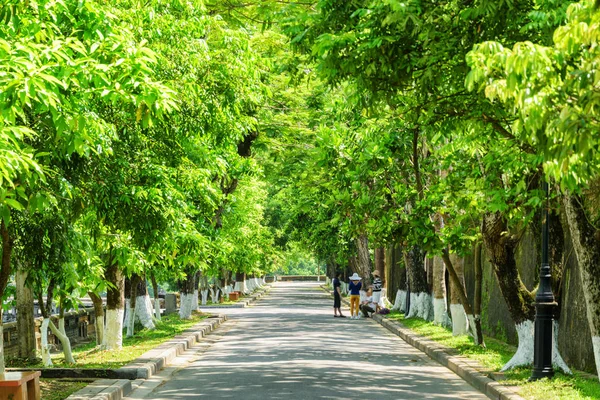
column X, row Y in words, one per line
column 289, row 346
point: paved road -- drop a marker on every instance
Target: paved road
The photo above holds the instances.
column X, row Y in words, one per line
column 289, row 346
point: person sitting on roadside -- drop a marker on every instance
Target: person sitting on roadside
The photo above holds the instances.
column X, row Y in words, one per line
column 368, row 306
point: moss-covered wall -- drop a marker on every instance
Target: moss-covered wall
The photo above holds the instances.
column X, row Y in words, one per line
column 574, row 335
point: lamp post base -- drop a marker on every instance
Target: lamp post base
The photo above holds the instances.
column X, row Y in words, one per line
column 542, row 351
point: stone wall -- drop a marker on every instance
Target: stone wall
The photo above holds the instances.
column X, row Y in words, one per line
column 300, row 277
column 496, row 321
column 79, row 327
column 574, row 339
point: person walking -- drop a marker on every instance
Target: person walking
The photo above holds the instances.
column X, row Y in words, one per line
column 354, row 288
column 337, row 296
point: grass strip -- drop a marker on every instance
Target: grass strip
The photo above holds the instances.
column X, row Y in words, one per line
column 90, row 356
column 59, row 389
column 562, row 387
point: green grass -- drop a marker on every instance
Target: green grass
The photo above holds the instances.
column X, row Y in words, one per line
column 497, row 353
column 224, row 303
column 89, row 356
column 58, row 389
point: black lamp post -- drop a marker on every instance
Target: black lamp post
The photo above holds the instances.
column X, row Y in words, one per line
column 544, row 310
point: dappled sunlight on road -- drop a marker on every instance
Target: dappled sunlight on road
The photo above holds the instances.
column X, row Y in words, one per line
column 289, row 345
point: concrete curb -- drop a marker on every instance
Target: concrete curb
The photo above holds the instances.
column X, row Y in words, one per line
column 147, row 364
column 154, row 360
column 103, row 389
column 469, row 370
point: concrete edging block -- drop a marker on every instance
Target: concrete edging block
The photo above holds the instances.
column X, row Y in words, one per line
column 147, row 364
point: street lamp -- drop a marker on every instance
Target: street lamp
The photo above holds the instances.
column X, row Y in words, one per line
column 544, row 309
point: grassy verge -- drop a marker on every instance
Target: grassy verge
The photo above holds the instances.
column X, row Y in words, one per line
column 497, row 353
column 89, row 356
column 58, row 389
column 224, row 303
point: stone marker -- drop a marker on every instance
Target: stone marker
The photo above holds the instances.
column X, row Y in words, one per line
column 170, row 303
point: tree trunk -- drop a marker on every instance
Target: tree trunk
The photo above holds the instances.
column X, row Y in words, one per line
column 477, row 295
column 187, row 289
column 46, row 360
column 440, row 313
column 421, row 303
column 586, row 243
column 7, row 247
column 130, row 303
column 64, row 339
column 25, row 320
column 240, row 282
column 396, row 278
column 2, row 365
column 501, row 247
column 115, row 299
column 99, row 313
column 380, row 263
column 143, row 305
column 364, row 259
column 460, row 324
column 474, row 323
column 156, row 298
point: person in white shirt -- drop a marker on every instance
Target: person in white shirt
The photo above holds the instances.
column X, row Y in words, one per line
column 377, row 286
column 368, row 306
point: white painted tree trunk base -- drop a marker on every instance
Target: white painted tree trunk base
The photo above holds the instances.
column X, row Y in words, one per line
column 440, row 314
column 421, row 306
column 127, row 311
column 524, row 354
column 61, row 334
column 204, row 294
column 113, row 334
column 99, row 325
column 194, row 306
column 186, row 305
column 596, row 347
column 400, row 299
column 2, row 365
column 557, row 359
column 157, row 309
column 473, row 327
column 344, row 287
column 143, row 310
column 129, row 318
column 214, row 295
column 460, row 323
column 46, row 360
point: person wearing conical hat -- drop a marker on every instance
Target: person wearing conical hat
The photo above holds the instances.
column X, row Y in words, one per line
column 354, row 287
